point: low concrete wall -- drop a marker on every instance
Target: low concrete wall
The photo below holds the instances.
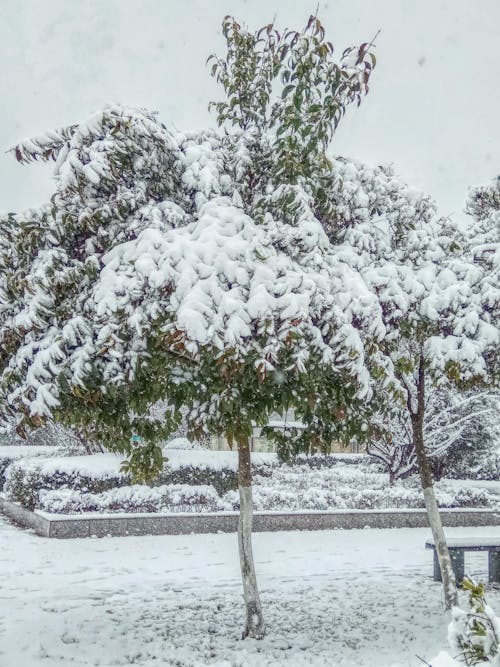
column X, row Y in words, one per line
column 52, row 525
column 24, row 517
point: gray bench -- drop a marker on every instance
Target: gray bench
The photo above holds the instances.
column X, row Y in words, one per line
column 457, row 548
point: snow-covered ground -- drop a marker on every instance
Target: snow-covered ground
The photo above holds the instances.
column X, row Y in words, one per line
column 360, row 598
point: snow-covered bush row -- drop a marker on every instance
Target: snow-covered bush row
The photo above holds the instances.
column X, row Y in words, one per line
column 292, row 489
column 487, row 468
column 270, row 497
column 345, row 486
column 337, row 485
column 26, row 478
column 133, row 498
column 11, row 453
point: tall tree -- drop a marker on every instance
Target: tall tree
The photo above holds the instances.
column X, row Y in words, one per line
column 189, row 269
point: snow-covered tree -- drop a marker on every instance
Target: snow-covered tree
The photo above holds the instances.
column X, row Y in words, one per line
column 456, row 424
column 461, row 428
column 189, row 268
column 391, row 443
column 439, row 303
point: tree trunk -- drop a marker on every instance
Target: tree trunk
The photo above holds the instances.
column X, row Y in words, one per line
column 425, row 471
column 254, row 619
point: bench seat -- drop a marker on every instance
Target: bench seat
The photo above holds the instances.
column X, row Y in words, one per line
column 457, row 547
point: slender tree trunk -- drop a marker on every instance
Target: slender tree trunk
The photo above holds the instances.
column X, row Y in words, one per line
column 254, row 619
column 424, row 468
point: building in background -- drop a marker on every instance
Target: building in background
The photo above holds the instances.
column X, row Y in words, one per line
column 259, row 443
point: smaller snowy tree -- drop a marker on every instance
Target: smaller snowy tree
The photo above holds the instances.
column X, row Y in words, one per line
column 391, row 443
column 438, row 301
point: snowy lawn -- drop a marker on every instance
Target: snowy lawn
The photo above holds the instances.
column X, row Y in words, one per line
column 360, row 598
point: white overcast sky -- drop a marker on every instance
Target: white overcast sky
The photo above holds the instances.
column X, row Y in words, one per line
column 433, row 109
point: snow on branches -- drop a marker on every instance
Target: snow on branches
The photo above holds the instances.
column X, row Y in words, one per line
column 145, row 249
column 434, row 294
column 160, row 252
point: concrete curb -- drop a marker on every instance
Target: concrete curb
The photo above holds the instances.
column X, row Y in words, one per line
column 70, row 526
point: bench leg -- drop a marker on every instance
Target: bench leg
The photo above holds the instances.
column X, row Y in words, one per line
column 437, row 569
column 494, row 566
column 457, row 563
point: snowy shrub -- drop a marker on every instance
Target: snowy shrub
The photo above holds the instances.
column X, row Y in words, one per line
column 321, row 499
column 469, row 497
column 397, row 496
column 330, row 460
column 474, row 635
column 133, row 498
column 26, row 479
column 223, row 479
column 487, row 468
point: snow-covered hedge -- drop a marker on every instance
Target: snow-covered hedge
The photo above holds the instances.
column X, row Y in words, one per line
column 11, row 453
column 94, row 481
column 26, row 479
column 316, row 498
column 345, row 486
column 133, row 498
column 330, row 460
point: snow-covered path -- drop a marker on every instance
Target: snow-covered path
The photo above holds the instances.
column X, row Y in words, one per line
column 361, row 598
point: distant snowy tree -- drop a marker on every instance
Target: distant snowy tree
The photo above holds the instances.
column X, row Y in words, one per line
column 391, row 443
column 457, row 425
column 51, row 434
column 461, row 429
column 189, row 268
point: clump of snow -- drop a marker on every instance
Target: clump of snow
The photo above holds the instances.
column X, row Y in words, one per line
column 133, row 498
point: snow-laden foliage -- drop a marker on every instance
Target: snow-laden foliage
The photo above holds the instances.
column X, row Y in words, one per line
column 483, row 242
column 438, row 304
column 290, row 87
column 434, row 295
column 145, row 265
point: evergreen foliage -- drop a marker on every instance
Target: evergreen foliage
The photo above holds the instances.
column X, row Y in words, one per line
column 185, row 268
